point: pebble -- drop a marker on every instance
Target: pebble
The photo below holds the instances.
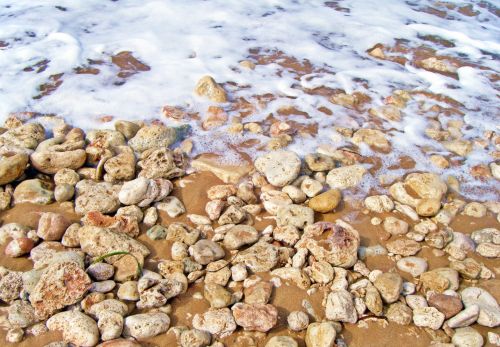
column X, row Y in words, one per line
column 395, row 226
column 64, row 192
column 297, row 195
column 195, row 338
column 33, row 191
column 219, row 322
column 399, row 313
column 144, row 325
column 326, row 202
column 207, row 87
column 66, row 176
column 239, row 272
column 280, row 167
column 77, row 328
column 428, row 207
column 489, row 310
column 150, row 216
column 153, row 136
column 319, row 162
column 110, row 325
column 345, row 177
column 19, row 247
column 258, row 293
column 93, row 196
column 101, row 271
column 379, row 203
column 447, row 304
column 389, row 285
column 255, row 317
column 415, row 266
column 206, row 251
column 103, row 286
column 217, row 295
column 311, row 187
column 488, row 250
column 297, row 320
column 14, row 335
column 404, row 247
column 157, row 232
column 440, row 279
column 428, row 317
column 260, row 257
column 21, row 314
column 172, row 206
column 296, row 215
column 340, row 307
column 467, row 337
column 12, row 167
column 281, row 341
column 320, row 335
column 128, row 291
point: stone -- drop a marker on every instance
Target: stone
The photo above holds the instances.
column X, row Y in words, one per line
column 426, row 185
column 103, row 286
column 280, row 167
column 195, row 338
column 379, row 203
column 373, row 301
column 340, row 307
column 320, row 335
column 447, row 304
column 489, row 310
column 260, row 257
column 206, row 251
column 51, row 226
column 64, row 192
column 321, row 272
column 217, row 295
column 33, row 191
column 66, row 176
column 415, row 266
column 49, row 162
column 214, row 208
column 399, row 313
column 158, row 163
column 297, row 320
column 404, row 247
column 207, row 87
column 255, row 317
column 128, row 129
column 152, row 136
column 110, row 325
column 221, row 191
column 336, row 243
column 101, row 271
column 389, row 285
column 468, row 268
column 296, row 215
column 232, row 215
column 157, row 232
column 14, row 335
column 21, row 314
column 19, row 247
column 122, row 166
column 395, row 226
column 294, row 193
column 488, row 250
column 464, row 318
column 218, row 322
column 77, row 328
column 281, row 341
column 172, row 206
column 60, row 285
column 486, row 235
column 97, row 241
column 319, row 162
column 119, row 223
column 460, row 246
column 428, row 207
column 108, row 305
column 428, row 317
column 93, row 196
column 144, row 325
column 12, row 166
column 273, row 200
column 287, row 234
column 297, row 276
column 440, row 279
column 467, row 337
column 128, row 291
column 326, row 202
column 239, row 236
column 371, row 137
column 311, row 187
column 258, row 293
column 346, row 176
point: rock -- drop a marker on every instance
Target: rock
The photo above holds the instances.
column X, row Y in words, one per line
column 128, row 291
column 460, row 245
column 66, row 176
column 371, row 137
column 326, row 202
column 239, row 236
column 336, row 243
column 108, row 305
column 426, row 185
column 21, row 314
column 413, row 265
column 64, row 192
column 172, row 206
column 133, row 192
column 297, row 320
column 404, row 247
column 12, row 166
column 379, row 203
column 311, row 187
column 150, row 216
column 258, row 293
column 195, row 338
column 128, row 129
column 232, row 215
column 206, row 251
column 489, row 250
column 467, row 337
column 460, row 147
column 217, row 295
column 395, row 226
column 110, row 325
column 144, row 325
column 296, row 215
column 294, row 193
column 101, row 271
column 122, row 166
column 50, row 162
column 153, row 136
column 280, row 167
column 103, row 286
column 399, row 313
column 159, row 163
column 119, row 223
column 19, row 247
column 469, row 268
column 287, row 234
column 447, row 304
column 157, row 232
column 345, row 177
column 489, row 310
column 11, row 284
column 428, row 317
column 373, row 301
column 486, row 235
column 93, row 196
column 221, row 191
column 389, row 285
column 214, row 208
column 281, row 341
column 33, row 191
column 218, row 322
column 207, row 87
column 320, row 335
column 273, row 200
column 25, row 136
column 97, row 241
column 340, row 307
column 255, row 317
column 319, row 162
column 14, row 335
column 260, row 257
column 77, row 328
column 51, row 226
column 60, row 285
column 464, row 318
column 440, row 279
column 297, row 276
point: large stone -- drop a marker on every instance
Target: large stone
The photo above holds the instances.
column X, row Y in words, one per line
column 279, row 167
column 33, row 191
column 144, row 325
column 255, row 317
column 26, row 136
column 426, row 185
column 467, row 337
column 60, row 285
column 77, row 328
column 346, row 176
column 12, row 166
column 489, row 310
column 219, row 322
column 94, row 196
column 50, row 162
column 153, row 136
column 261, row 257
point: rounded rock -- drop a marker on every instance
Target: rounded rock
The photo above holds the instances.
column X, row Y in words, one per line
column 280, row 167
column 326, row 202
column 298, row 320
column 144, row 325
